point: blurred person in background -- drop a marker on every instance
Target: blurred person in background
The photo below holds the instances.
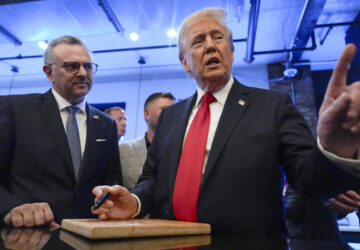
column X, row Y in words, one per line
column 119, row 115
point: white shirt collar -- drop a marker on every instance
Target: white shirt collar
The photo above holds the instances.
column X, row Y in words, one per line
column 220, row 95
column 63, row 103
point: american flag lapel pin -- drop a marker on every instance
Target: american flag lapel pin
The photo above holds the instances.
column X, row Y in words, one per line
column 96, row 117
column 241, row 102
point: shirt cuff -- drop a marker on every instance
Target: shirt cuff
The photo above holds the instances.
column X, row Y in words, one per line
column 138, row 207
column 351, row 166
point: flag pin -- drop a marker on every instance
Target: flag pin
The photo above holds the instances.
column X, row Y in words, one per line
column 95, row 116
column 241, row 102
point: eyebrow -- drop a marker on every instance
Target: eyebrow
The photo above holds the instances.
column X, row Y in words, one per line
column 201, row 33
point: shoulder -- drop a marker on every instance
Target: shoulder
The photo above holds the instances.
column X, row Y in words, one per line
column 127, row 147
column 23, row 103
column 139, row 141
column 264, row 93
column 20, row 98
column 265, row 98
column 98, row 114
column 132, row 143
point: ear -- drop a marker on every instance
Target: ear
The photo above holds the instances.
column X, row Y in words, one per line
column 185, row 64
column 147, row 114
column 49, row 73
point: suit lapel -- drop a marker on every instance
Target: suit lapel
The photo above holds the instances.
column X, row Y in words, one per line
column 50, row 115
column 236, row 104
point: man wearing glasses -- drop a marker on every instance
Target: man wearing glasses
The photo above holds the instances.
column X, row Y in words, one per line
column 54, row 147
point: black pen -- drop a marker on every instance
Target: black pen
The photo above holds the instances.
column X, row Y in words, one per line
column 101, row 200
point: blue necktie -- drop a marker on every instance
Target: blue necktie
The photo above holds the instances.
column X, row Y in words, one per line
column 72, row 134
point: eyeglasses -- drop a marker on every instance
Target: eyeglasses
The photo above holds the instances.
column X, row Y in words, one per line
column 73, row 67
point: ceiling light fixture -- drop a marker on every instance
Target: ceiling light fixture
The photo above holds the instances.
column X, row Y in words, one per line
column 171, row 33
column 42, row 45
column 134, row 36
column 290, row 72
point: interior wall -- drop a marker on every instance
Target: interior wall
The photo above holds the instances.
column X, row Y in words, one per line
column 132, row 91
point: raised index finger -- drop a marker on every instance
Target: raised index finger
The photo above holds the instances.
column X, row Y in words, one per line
column 339, row 75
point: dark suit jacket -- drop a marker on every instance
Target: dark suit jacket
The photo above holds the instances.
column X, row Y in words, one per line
column 241, row 190
column 307, row 218
column 35, row 159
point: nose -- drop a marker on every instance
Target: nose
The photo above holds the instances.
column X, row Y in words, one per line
column 82, row 71
column 122, row 123
column 210, row 45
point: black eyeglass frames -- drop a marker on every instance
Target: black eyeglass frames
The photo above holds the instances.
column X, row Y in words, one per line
column 73, row 67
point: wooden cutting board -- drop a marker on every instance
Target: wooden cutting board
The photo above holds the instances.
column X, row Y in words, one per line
column 162, row 242
column 98, row 229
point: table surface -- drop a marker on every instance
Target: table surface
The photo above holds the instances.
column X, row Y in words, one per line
column 41, row 238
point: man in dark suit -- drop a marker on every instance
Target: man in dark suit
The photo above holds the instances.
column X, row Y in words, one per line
column 40, row 180
column 251, row 133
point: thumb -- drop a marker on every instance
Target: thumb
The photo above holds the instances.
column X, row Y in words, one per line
column 53, row 226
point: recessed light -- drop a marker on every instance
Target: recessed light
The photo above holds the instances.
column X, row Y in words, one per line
column 171, row 33
column 42, row 45
column 134, row 36
column 290, row 72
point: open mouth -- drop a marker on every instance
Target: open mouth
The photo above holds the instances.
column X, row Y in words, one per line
column 212, row 61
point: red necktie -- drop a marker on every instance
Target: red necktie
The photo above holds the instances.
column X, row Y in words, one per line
column 188, row 178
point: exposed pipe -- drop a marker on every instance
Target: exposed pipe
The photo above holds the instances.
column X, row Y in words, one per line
column 313, row 41
column 151, row 47
column 5, row 2
column 10, row 36
column 313, row 47
column 253, row 19
column 331, row 26
column 19, row 57
column 336, row 24
column 322, row 40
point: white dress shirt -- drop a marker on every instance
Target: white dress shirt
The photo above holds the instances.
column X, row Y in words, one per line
column 216, row 109
column 80, row 116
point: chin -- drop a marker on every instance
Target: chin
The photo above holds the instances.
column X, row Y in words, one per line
column 216, row 73
column 82, row 93
column 217, row 76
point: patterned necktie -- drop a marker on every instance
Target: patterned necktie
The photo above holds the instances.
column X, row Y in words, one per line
column 188, row 178
column 72, row 134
